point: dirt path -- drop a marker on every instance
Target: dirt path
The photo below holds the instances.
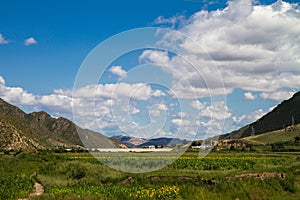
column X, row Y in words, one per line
column 261, row 176
column 38, row 190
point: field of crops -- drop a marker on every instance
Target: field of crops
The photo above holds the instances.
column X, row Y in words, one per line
column 219, row 175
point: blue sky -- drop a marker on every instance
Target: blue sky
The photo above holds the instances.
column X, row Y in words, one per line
column 254, row 47
column 66, row 32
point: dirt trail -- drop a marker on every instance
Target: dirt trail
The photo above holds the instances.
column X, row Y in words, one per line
column 38, row 190
column 261, row 176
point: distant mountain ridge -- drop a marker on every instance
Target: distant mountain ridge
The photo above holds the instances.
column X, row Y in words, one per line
column 285, row 114
column 38, row 130
column 141, row 142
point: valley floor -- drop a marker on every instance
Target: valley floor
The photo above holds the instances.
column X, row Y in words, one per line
column 219, row 175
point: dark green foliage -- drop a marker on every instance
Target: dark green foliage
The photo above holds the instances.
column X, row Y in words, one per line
column 12, row 187
column 297, row 139
column 197, row 143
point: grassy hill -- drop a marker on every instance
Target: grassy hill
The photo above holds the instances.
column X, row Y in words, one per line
column 279, row 136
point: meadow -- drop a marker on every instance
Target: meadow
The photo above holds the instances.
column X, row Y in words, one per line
column 219, row 175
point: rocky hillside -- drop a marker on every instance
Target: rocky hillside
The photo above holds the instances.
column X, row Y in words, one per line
column 39, row 130
column 285, row 114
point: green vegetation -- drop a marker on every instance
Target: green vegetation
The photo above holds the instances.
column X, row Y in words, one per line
column 287, row 135
column 219, row 175
column 152, row 193
column 12, row 187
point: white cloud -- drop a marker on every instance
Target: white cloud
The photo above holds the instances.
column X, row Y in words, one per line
column 277, row 96
column 218, row 111
column 117, row 70
column 154, row 112
column 139, row 91
column 211, row 127
column 19, row 96
column 56, row 100
column 249, row 96
column 255, row 47
column 2, row 81
column 248, row 118
column 163, row 20
column 158, row 93
column 160, row 57
column 161, row 106
column 2, row 40
column 133, row 110
column 197, row 105
column 172, row 21
column 16, row 94
column 182, row 114
column 30, row 41
column 180, row 122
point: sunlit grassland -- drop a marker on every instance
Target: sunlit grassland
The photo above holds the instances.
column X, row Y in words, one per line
column 82, row 176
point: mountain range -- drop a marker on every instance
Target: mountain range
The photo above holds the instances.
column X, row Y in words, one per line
column 141, row 142
column 38, row 130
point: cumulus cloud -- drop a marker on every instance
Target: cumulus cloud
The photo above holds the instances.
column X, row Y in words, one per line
column 277, row 96
column 30, row 41
column 197, row 105
column 249, row 96
column 161, row 106
column 255, row 47
column 249, row 118
column 182, row 114
column 2, row 81
column 117, row 70
column 139, row 91
column 218, row 111
column 16, row 95
column 172, row 21
column 158, row 93
column 154, row 112
column 3, row 40
column 180, row 122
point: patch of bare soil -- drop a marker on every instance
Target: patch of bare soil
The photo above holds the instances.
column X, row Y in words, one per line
column 127, row 180
column 38, row 190
column 184, row 178
column 261, row 176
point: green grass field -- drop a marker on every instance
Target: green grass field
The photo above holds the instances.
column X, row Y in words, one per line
column 280, row 136
column 219, row 175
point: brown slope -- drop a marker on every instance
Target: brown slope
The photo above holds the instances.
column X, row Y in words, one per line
column 7, row 109
column 40, row 130
column 12, row 138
